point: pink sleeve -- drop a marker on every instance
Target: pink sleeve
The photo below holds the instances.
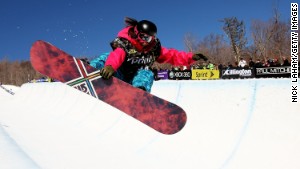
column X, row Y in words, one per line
column 175, row 57
column 116, row 58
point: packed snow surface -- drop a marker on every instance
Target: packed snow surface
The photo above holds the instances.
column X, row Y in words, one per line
column 232, row 124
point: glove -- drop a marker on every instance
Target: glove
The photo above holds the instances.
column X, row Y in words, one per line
column 198, row 56
column 107, row 72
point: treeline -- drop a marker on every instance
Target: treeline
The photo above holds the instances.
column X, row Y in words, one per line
column 265, row 40
column 17, row 72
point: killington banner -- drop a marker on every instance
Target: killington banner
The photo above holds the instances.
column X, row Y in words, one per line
column 235, row 73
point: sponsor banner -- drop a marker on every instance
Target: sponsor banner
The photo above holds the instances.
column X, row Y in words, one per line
column 236, row 73
column 273, row 71
column 163, row 74
column 203, row 74
column 40, row 80
column 180, row 75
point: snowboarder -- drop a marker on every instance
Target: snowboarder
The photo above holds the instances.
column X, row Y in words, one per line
column 135, row 50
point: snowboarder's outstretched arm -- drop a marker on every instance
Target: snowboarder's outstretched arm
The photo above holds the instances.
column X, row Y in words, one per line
column 178, row 58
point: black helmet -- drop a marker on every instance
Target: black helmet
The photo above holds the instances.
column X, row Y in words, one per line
column 146, row 27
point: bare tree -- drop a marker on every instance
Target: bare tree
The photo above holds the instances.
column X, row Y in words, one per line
column 235, row 30
column 190, row 42
column 216, row 48
column 4, row 64
column 280, row 36
column 16, row 72
column 271, row 38
column 261, row 34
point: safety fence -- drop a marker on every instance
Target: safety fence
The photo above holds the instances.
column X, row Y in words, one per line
column 227, row 73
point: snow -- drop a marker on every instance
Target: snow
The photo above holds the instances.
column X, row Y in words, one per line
column 232, row 124
column 7, row 90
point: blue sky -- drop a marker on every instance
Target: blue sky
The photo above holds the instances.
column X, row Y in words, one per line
column 85, row 27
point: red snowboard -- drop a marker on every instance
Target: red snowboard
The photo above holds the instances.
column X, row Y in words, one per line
column 155, row 112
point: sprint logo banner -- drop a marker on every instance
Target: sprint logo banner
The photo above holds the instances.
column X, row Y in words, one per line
column 199, row 74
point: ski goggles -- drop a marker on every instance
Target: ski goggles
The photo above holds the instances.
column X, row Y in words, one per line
column 145, row 37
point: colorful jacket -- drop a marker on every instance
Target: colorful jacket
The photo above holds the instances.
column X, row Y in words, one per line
column 129, row 56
